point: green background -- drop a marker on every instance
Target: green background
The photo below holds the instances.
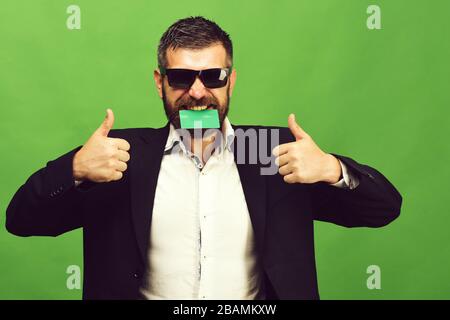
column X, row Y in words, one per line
column 378, row 96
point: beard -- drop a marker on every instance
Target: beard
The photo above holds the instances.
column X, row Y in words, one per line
column 173, row 115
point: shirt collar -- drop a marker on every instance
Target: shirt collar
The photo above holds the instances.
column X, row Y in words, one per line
column 174, row 139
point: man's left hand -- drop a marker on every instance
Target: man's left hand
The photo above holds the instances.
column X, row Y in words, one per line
column 303, row 161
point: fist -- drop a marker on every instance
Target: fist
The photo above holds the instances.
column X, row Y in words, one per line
column 102, row 159
column 303, row 161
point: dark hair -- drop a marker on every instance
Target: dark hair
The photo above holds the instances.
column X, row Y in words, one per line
column 193, row 33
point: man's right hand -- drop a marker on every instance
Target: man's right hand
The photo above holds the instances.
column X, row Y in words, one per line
column 102, row 159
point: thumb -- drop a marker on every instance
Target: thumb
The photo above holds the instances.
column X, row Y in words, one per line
column 296, row 130
column 107, row 124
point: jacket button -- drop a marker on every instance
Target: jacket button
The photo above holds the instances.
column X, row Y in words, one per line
column 135, row 275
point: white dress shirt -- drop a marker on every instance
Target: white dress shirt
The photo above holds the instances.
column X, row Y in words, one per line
column 201, row 241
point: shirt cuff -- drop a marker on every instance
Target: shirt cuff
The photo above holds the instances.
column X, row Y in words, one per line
column 348, row 181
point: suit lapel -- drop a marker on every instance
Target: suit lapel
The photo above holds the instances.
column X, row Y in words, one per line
column 144, row 168
column 254, row 186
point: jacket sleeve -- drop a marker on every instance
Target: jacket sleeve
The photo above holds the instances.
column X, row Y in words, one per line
column 375, row 202
column 48, row 203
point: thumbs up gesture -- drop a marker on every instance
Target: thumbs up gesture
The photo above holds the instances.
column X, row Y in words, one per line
column 102, row 159
column 303, row 161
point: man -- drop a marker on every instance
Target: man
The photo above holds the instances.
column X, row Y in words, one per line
column 167, row 216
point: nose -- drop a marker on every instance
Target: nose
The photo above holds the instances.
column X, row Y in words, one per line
column 197, row 90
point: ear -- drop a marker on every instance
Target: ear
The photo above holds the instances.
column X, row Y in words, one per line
column 232, row 80
column 158, row 82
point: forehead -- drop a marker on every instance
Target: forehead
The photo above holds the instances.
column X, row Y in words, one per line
column 210, row 57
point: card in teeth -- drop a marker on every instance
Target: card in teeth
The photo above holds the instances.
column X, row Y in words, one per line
column 195, row 119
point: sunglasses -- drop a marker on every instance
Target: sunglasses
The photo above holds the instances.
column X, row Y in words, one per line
column 184, row 78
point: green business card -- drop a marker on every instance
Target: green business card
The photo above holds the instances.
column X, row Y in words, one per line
column 192, row 119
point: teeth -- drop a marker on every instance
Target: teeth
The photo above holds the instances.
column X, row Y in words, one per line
column 198, row 108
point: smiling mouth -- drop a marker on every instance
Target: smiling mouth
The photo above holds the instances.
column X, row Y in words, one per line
column 198, row 108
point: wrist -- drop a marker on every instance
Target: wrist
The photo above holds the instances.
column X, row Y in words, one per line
column 333, row 172
column 77, row 171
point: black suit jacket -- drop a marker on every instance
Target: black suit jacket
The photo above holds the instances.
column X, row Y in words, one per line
column 116, row 216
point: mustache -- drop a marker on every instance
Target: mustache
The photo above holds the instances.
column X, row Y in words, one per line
column 186, row 103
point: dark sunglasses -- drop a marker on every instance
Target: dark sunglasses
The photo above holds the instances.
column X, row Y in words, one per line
column 184, row 78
